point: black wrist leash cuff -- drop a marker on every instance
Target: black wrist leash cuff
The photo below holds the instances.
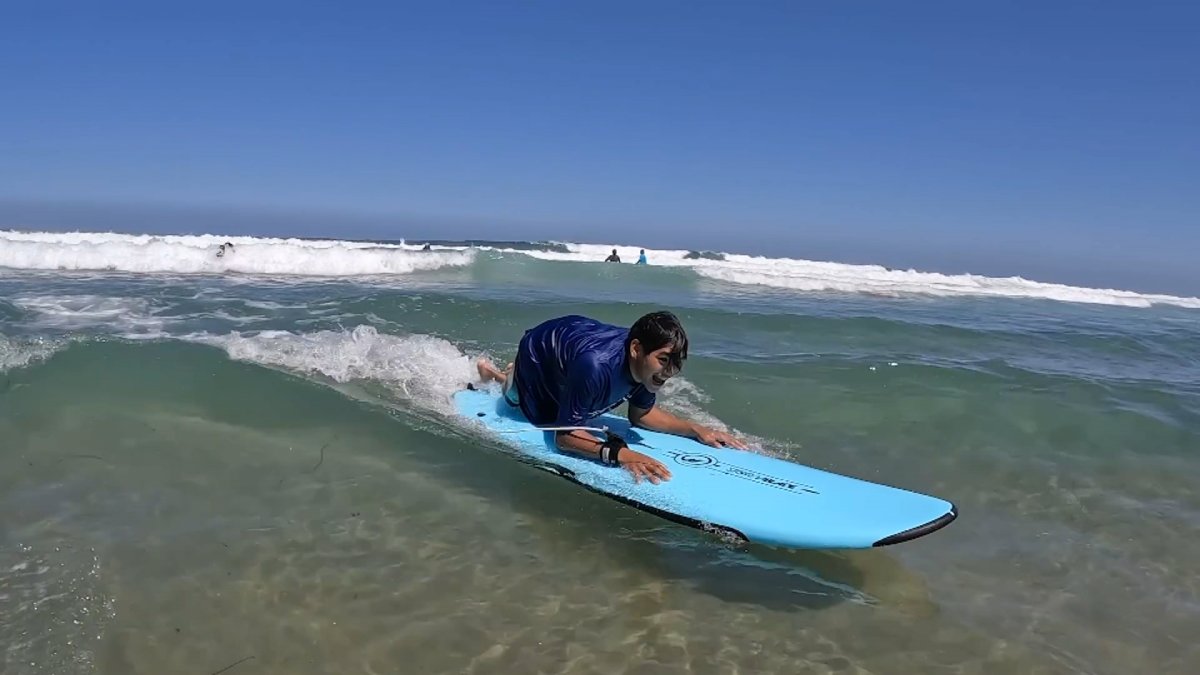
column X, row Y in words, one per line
column 610, row 449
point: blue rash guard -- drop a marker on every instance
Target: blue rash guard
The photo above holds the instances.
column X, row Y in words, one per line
column 573, row 369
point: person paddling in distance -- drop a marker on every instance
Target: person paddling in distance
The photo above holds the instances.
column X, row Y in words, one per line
column 571, row 370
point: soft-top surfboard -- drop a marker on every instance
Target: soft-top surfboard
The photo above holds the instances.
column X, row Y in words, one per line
column 732, row 492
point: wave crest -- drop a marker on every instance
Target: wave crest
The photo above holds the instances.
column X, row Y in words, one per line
column 198, row 255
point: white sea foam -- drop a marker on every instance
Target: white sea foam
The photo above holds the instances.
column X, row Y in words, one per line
column 814, row 276
column 419, row 368
column 128, row 314
column 251, row 255
column 18, row 353
column 198, row 254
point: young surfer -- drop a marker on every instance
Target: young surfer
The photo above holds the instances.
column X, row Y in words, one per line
column 572, row 369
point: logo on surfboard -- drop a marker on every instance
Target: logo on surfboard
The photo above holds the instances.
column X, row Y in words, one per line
column 699, row 459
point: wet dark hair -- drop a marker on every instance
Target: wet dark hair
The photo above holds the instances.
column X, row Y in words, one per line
column 657, row 330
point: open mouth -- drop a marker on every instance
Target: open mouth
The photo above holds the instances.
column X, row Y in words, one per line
column 658, row 381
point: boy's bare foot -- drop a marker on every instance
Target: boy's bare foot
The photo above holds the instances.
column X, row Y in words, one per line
column 488, row 372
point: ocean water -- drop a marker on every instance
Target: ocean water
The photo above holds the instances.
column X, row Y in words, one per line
column 250, row 462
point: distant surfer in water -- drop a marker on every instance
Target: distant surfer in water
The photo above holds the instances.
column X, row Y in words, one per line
column 573, row 369
column 642, row 258
column 223, row 248
column 614, row 257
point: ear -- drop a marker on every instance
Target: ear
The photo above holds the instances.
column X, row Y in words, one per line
column 635, row 349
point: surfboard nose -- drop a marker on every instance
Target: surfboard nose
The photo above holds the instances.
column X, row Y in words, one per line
column 920, row 530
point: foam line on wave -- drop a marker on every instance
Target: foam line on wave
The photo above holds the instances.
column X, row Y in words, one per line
column 197, row 254
column 817, row 276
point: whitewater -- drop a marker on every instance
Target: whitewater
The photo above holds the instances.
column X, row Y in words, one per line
column 292, row 257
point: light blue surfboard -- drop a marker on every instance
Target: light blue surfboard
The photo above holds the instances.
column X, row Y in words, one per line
column 733, row 492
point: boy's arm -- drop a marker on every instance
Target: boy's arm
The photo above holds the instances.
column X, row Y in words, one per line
column 657, row 419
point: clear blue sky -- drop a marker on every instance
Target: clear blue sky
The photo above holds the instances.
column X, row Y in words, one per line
column 1058, row 140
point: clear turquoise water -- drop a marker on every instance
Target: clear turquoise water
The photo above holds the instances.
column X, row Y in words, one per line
column 197, row 469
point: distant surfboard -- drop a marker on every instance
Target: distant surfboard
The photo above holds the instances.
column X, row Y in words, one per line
column 731, row 492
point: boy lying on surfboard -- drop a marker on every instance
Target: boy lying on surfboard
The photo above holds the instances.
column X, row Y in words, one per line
column 573, row 369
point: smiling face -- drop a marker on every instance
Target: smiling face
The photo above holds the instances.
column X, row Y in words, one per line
column 652, row 369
